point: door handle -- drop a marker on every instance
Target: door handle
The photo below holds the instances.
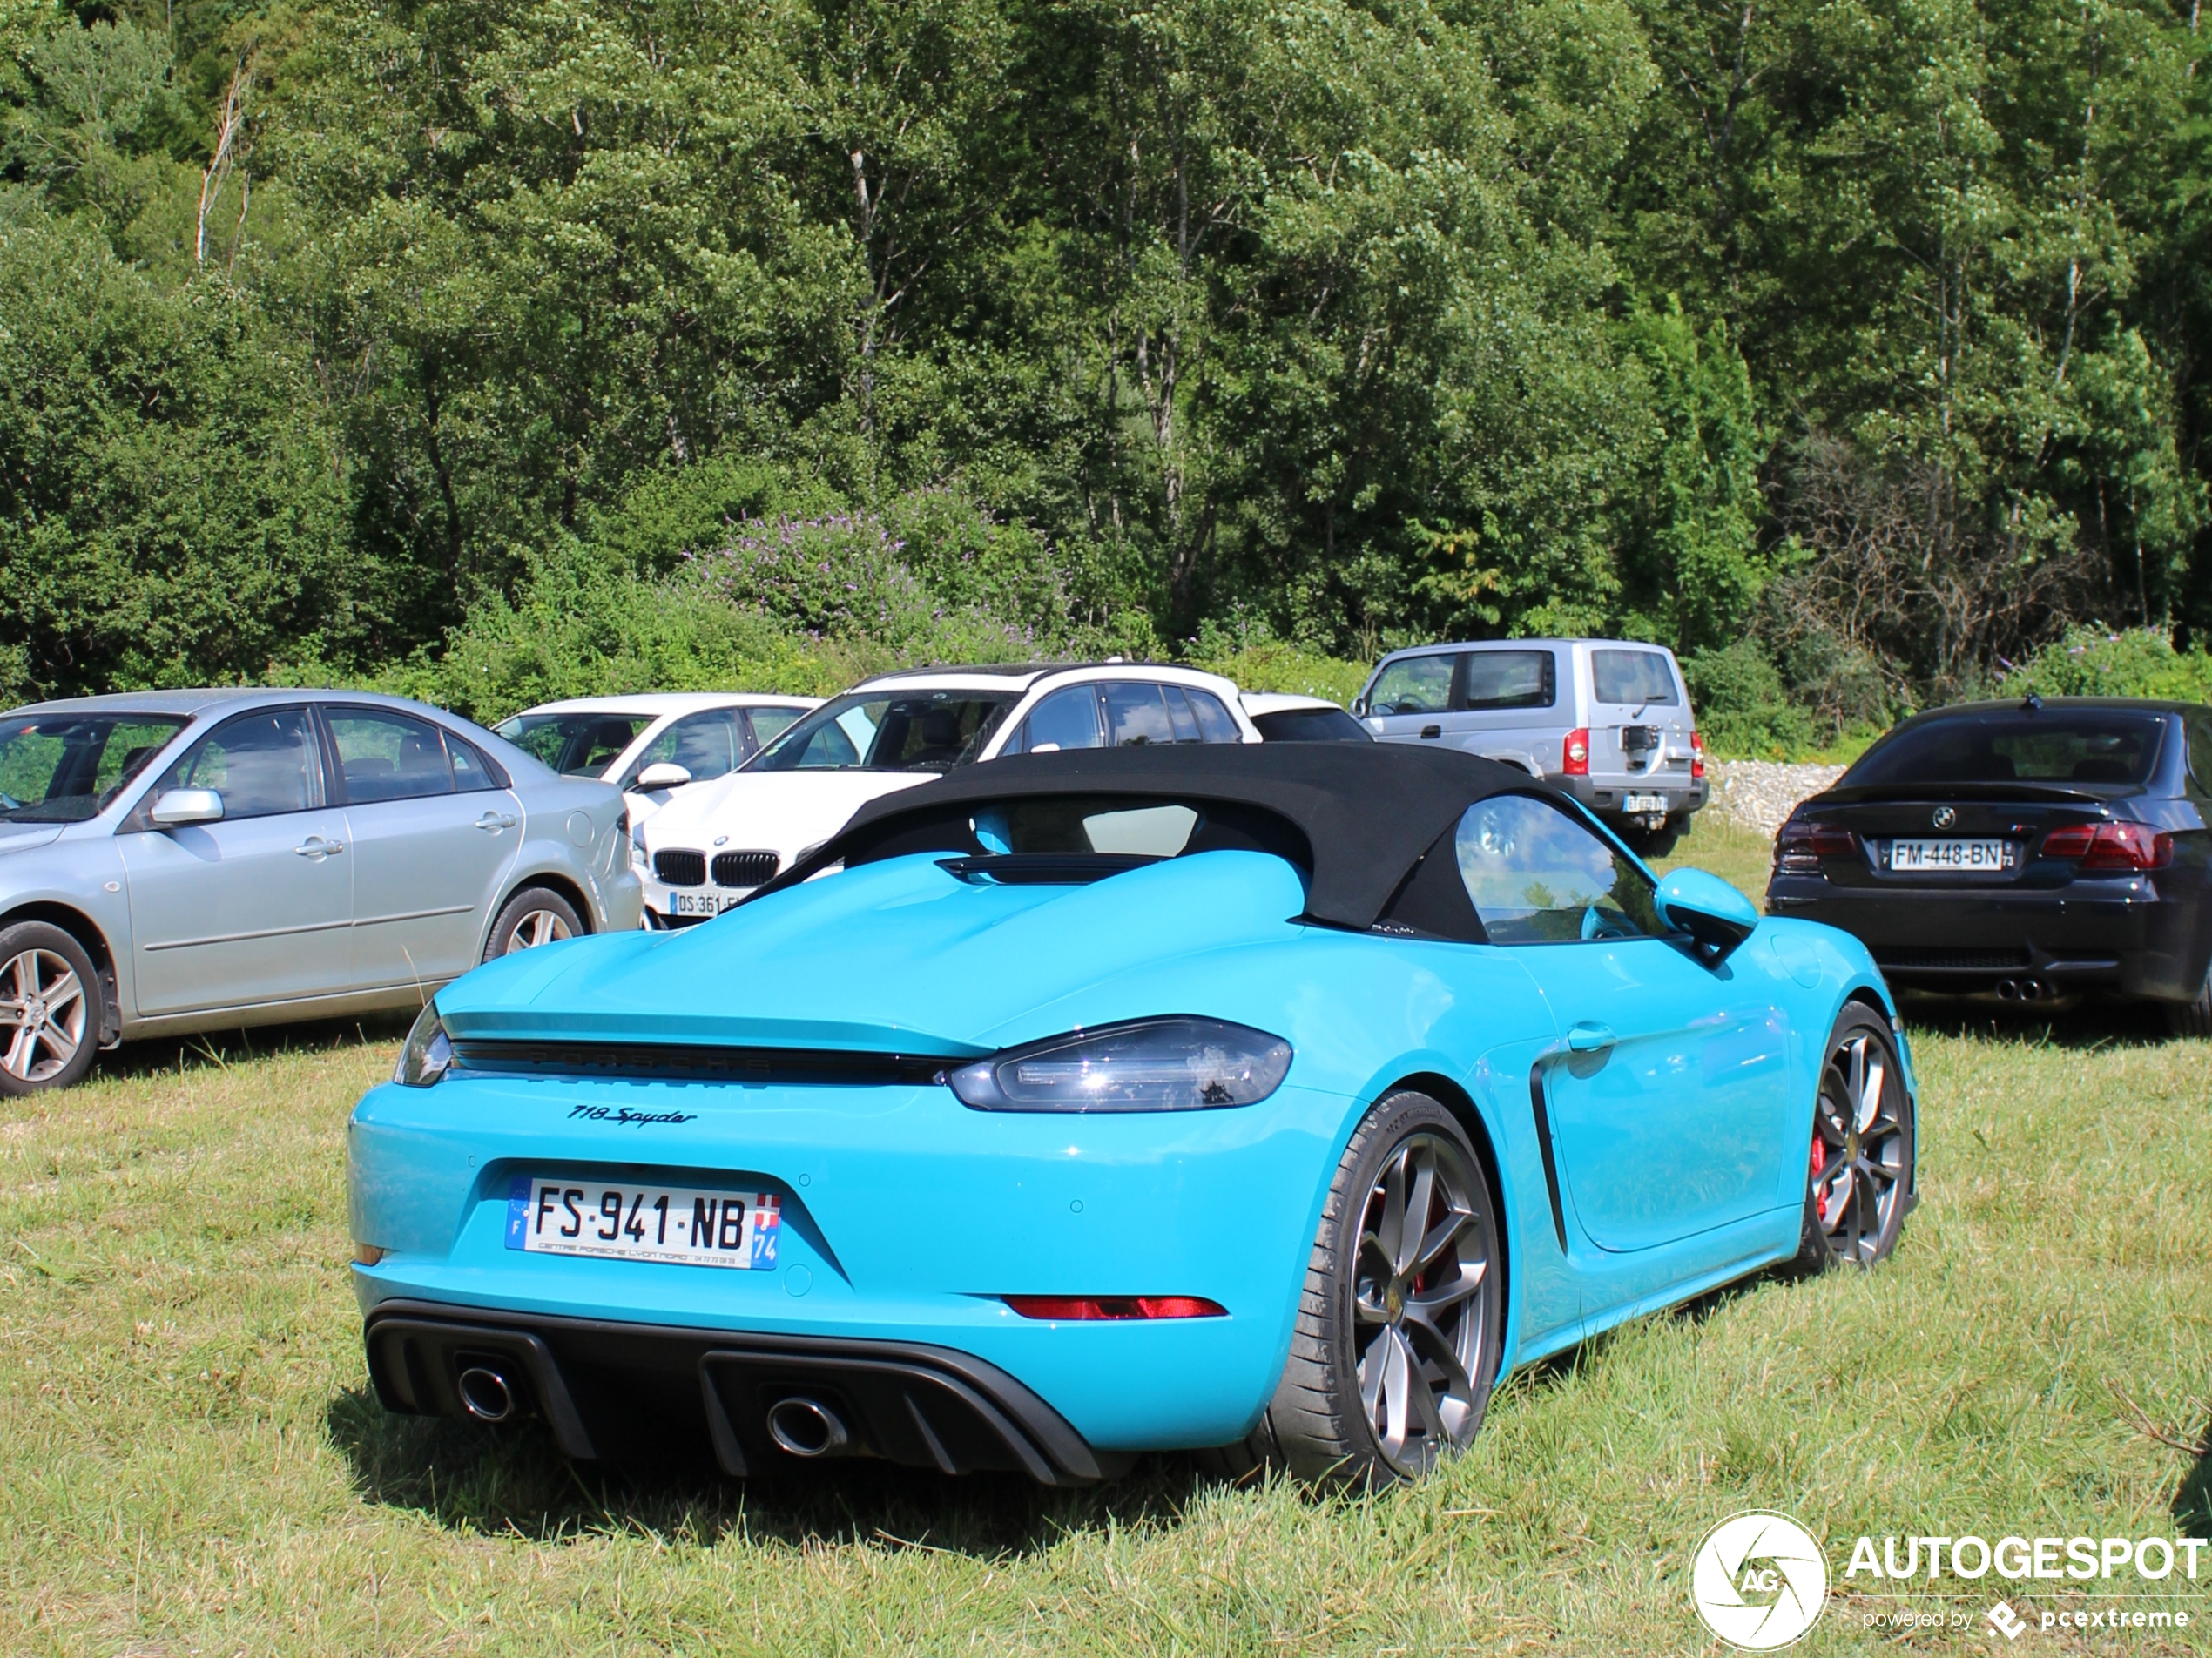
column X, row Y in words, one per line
column 1589, row 1039
column 316, row 846
column 1431, row 730
column 493, row 822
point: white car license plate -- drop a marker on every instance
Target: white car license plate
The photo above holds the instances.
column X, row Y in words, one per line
column 1908, row 855
column 1644, row 803
column 627, row 1222
column 701, row 903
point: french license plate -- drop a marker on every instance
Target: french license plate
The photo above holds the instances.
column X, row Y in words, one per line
column 701, row 903
column 1644, row 803
column 625, row 1222
column 1909, row 855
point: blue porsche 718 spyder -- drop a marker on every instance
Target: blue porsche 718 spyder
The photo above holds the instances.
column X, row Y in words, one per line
column 1272, row 1100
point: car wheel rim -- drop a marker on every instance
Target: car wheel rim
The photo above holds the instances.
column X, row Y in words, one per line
column 42, row 1015
column 1418, row 1312
column 1858, row 1149
column 539, row 926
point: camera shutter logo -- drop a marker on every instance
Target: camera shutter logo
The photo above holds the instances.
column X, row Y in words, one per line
column 1758, row 1580
column 1944, row 817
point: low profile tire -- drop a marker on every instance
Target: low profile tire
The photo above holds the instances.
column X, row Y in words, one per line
column 1860, row 1168
column 1396, row 1345
column 2193, row 1018
column 49, row 1009
column 534, row 916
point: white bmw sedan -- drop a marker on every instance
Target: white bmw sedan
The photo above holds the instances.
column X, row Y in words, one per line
column 186, row 860
column 712, row 847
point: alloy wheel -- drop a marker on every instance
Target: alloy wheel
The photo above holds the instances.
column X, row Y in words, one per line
column 1417, row 1307
column 1860, row 1150
column 42, row 1014
column 537, row 927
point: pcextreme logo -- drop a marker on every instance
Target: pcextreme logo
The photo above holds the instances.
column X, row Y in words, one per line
column 1758, row 1580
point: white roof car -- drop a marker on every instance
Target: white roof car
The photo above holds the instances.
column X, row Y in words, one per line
column 719, row 841
column 701, row 735
column 1293, row 717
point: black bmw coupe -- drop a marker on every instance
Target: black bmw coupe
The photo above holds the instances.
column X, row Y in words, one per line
column 2032, row 849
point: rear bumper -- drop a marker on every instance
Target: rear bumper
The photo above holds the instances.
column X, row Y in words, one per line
column 1605, row 795
column 2121, row 935
column 626, row 1392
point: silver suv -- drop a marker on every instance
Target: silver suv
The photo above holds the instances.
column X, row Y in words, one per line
column 1608, row 720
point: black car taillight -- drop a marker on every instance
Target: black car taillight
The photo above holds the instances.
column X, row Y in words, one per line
column 2125, row 848
column 1800, row 846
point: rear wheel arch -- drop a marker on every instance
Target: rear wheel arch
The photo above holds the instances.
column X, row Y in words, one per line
column 551, row 881
column 1461, row 1104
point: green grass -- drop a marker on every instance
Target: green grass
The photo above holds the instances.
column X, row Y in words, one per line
column 189, row 1460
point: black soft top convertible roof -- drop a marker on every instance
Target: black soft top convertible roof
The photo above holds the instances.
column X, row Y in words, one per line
column 1368, row 812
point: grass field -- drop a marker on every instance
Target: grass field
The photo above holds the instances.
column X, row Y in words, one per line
column 190, row 1461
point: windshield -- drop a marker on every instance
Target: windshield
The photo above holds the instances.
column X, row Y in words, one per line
column 882, row 731
column 66, row 768
column 573, row 745
column 2092, row 746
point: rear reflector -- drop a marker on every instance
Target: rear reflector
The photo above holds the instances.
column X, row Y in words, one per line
column 1142, row 1306
column 2122, row 846
column 1574, row 754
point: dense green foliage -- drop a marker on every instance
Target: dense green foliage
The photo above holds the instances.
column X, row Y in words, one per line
column 1850, row 346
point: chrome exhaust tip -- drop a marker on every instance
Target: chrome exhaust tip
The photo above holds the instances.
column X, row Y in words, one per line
column 485, row 1394
column 2007, row 990
column 807, row 1427
column 2033, row 990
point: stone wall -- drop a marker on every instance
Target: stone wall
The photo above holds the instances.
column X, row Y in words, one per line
column 1756, row 795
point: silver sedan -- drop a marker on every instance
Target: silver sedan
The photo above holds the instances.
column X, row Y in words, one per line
column 188, row 860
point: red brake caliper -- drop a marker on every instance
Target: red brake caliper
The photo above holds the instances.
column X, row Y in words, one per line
column 1819, row 1162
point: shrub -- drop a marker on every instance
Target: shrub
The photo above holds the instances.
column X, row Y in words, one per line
column 2089, row 661
column 1741, row 707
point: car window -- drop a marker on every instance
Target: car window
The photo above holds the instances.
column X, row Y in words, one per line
column 769, row 723
column 707, row 744
column 1413, row 686
column 1631, row 677
column 1538, row 877
column 67, row 769
column 262, row 764
column 2049, row 745
column 1148, row 830
column 1137, row 716
column 1214, row 723
column 2201, row 757
column 386, row 756
column 1312, row 726
column 573, row 745
column 469, row 771
column 921, row 731
column 1510, row 679
column 1067, row 718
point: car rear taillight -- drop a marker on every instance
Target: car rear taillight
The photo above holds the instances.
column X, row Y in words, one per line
column 1800, row 846
column 1575, row 756
column 1696, row 757
column 2125, row 847
column 1141, row 1306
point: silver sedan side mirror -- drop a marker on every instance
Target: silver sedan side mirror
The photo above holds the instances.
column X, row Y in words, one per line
column 180, row 807
column 664, row 775
column 1359, row 707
